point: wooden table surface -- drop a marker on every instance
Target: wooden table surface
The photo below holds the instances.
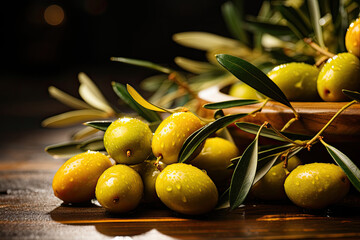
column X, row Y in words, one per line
column 29, row 210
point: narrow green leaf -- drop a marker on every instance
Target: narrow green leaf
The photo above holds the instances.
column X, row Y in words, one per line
column 218, row 114
column 350, row 169
column 253, row 77
column 231, row 103
column 101, row 125
column 352, row 94
column 142, row 63
column 265, row 167
column 274, row 29
column 268, row 133
column 64, row 150
column 244, row 174
column 147, row 114
column 223, row 201
column 295, row 21
column 95, row 144
column 196, row 138
column 234, row 22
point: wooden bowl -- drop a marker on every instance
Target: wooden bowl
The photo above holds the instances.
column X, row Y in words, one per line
column 313, row 115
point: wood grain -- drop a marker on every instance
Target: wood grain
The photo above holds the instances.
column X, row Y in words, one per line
column 29, row 210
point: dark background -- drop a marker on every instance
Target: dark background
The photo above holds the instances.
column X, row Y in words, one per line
column 35, row 55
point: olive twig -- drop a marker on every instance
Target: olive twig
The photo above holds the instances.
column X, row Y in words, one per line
column 260, row 108
column 288, row 124
column 283, row 136
column 321, row 61
column 316, row 47
column 316, row 137
column 157, row 163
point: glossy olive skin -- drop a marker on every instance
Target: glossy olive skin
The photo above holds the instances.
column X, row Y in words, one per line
column 296, row 80
column 316, row 185
column 271, row 186
column 128, row 140
column 352, row 38
column 215, row 157
column 149, row 173
column 244, row 91
column 340, row 72
column 119, row 189
column 186, row 189
column 172, row 133
column 75, row 181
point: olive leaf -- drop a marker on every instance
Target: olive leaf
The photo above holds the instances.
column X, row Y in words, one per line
column 70, row 149
column 350, row 169
column 234, row 22
column 269, row 133
column 256, row 25
column 314, row 11
column 231, row 103
column 140, row 100
column 223, row 201
column 253, row 77
column 197, row 137
column 142, row 63
column 352, row 94
column 101, row 125
column 244, row 174
column 123, row 93
column 296, row 22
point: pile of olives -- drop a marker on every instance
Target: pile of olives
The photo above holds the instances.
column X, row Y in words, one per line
column 306, row 83
column 191, row 189
column 138, row 177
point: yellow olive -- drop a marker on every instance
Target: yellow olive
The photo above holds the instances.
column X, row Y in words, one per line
column 296, row 80
column 352, row 38
column 149, row 172
column 119, row 189
column 316, row 185
column 339, row 72
column 215, row 157
column 128, row 140
column 271, row 186
column 75, row 181
column 172, row 133
column 186, row 189
column 244, row 91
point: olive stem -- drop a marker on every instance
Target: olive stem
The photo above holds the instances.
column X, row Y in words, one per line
column 288, row 124
column 283, row 136
column 321, row 50
column 157, row 164
column 316, row 137
column 321, row 60
column 260, row 108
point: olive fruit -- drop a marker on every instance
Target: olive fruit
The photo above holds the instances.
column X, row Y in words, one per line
column 296, row 80
column 352, row 38
column 149, row 171
column 75, row 181
column 339, row 72
column 271, row 186
column 316, row 185
column 128, row 140
column 186, row 189
column 172, row 133
column 244, row 91
column 215, row 157
column 119, row 189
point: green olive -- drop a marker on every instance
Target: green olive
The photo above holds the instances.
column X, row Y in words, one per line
column 296, row 80
column 119, row 189
column 316, row 185
column 215, row 157
column 339, row 72
column 186, row 189
column 128, row 140
column 75, row 181
column 244, row 91
column 149, row 171
column 271, row 186
column 172, row 133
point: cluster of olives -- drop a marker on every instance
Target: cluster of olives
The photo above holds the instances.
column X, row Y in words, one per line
column 306, row 83
column 137, row 177
column 185, row 188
